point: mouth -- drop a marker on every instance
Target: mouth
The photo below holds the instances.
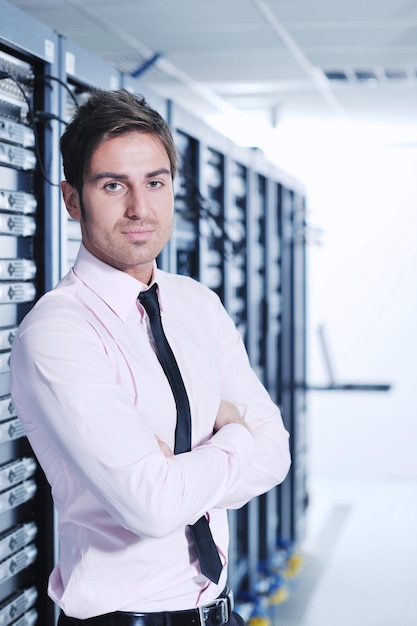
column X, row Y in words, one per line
column 142, row 233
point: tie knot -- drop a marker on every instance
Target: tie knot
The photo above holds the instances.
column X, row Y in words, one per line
column 149, row 301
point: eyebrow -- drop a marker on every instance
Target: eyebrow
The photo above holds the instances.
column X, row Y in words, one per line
column 101, row 175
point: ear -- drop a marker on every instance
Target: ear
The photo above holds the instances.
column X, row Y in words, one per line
column 71, row 199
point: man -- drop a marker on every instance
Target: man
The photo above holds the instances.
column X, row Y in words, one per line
column 98, row 408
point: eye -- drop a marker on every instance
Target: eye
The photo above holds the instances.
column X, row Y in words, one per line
column 113, row 186
column 154, row 184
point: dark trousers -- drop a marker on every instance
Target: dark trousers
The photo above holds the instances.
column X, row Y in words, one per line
column 236, row 620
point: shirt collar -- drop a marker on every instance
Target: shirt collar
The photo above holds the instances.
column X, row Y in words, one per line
column 117, row 289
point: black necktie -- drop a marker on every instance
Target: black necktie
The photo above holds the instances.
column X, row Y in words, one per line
column 206, row 549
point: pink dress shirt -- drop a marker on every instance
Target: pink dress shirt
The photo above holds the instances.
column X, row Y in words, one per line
column 92, row 397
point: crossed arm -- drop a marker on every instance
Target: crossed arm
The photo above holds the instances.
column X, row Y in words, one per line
column 227, row 413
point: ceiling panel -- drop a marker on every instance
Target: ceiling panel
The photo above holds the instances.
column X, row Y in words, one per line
column 67, row 21
column 242, row 64
column 208, row 39
column 343, row 11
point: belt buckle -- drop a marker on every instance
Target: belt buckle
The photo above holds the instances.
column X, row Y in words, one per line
column 226, row 603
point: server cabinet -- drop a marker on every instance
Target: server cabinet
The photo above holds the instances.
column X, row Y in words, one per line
column 282, row 511
column 292, row 371
column 185, row 243
column 299, row 428
column 273, row 285
column 236, row 241
column 257, row 300
column 212, row 216
column 199, row 232
column 28, row 203
column 264, row 331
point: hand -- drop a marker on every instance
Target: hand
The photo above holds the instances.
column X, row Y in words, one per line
column 228, row 413
column 164, row 447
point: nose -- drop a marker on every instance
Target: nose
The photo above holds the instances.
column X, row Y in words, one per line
column 137, row 206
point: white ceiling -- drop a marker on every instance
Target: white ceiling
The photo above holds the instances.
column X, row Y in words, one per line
column 271, row 58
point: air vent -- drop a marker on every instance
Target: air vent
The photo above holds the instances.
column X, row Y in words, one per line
column 371, row 76
column 366, row 76
column 338, row 75
column 398, row 74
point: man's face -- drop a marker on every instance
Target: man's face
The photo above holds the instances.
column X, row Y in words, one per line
column 128, row 203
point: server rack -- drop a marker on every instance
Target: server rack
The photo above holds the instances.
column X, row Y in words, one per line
column 299, row 418
column 211, row 222
column 257, row 277
column 270, row 512
column 265, row 246
column 200, row 200
column 291, row 347
column 185, row 242
column 28, row 205
column 236, row 241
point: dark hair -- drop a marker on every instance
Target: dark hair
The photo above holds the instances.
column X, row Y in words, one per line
column 108, row 114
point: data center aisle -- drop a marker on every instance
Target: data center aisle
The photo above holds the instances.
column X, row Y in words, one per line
column 360, row 564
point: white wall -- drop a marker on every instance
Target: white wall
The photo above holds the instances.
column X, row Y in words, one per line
column 363, row 288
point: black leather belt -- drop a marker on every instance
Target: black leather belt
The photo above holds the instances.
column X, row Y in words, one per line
column 215, row 613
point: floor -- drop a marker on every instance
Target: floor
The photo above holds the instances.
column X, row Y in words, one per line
column 359, row 558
